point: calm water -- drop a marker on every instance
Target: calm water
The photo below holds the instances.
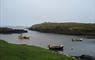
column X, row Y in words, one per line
column 87, row 46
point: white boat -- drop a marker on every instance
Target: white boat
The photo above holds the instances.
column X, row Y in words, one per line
column 23, row 37
column 56, row 47
column 80, row 39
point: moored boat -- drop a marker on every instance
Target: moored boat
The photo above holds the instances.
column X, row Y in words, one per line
column 56, row 47
column 77, row 39
column 23, row 37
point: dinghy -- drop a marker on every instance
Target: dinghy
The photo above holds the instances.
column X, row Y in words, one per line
column 77, row 39
column 56, row 48
column 23, row 37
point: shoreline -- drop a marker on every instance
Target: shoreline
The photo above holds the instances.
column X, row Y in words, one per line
column 65, row 28
column 10, row 51
column 6, row 30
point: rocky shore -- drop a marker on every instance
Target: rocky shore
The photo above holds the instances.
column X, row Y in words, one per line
column 6, row 30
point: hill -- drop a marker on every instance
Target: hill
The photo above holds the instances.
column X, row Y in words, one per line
column 66, row 28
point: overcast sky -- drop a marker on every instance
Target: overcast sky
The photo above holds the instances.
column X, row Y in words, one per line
column 29, row 12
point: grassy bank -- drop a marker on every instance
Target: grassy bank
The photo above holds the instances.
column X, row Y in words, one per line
column 86, row 29
column 24, row 52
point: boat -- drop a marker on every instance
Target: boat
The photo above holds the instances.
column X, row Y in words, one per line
column 56, row 47
column 77, row 39
column 23, row 37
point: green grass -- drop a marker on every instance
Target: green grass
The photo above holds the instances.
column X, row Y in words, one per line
column 24, row 52
column 86, row 29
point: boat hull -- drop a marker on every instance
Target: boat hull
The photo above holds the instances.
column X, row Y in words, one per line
column 56, row 48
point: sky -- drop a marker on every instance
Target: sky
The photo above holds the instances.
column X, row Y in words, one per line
column 29, row 12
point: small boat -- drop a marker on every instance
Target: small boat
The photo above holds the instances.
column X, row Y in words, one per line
column 77, row 39
column 23, row 37
column 56, row 48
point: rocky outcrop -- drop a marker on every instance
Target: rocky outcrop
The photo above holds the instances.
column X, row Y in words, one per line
column 6, row 30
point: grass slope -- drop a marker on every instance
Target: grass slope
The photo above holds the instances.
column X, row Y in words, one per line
column 24, row 52
column 86, row 29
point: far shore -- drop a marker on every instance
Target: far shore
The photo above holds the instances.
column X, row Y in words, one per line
column 6, row 30
column 84, row 29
